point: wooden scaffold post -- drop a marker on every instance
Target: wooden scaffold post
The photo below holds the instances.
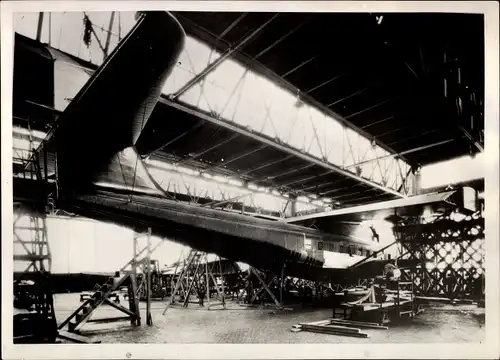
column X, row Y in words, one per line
column 149, row 318
column 194, row 276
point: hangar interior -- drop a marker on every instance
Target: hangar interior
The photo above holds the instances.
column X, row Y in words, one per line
column 337, row 123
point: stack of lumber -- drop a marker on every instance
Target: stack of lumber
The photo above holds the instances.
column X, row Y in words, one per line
column 359, row 324
column 338, row 327
column 326, row 327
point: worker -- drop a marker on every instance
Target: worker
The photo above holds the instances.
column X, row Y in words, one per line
column 391, row 271
column 201, row 295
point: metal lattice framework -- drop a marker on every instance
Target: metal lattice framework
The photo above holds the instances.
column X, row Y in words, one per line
column 211, row 85
column 31, row 242
column 32, row 286
column 288, row 123
column 227, row 193
column 451, row 256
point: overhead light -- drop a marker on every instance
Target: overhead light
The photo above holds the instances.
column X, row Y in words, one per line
column 235, row 182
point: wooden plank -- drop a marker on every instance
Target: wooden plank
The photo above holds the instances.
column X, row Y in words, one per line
column 108, row 320
column 76, row 338
column 360, row 324
column 321, row 322
column 328, row 325
column 354, row 322
column 334, row 328
column 325, row 330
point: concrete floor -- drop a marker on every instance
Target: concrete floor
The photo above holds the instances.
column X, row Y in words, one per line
column 242, row 325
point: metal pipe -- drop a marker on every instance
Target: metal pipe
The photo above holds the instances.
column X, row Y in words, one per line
column 212, row 66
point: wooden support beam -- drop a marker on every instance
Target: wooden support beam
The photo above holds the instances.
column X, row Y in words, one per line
column 207, row 283
column 39, row 27
column 282, row 282
column 266, row 287
column 191, row 257
column 108, row 36
column 149, row 318
column 133, row 284
column 120, row 308
column 108, row 320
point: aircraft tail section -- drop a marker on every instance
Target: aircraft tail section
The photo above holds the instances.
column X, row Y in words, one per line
column 95, row 136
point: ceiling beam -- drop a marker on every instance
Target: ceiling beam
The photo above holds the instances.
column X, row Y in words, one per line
column 213, row 147
column 214, row 64
column 290, row 32
column 237, row 157
column 231, row 26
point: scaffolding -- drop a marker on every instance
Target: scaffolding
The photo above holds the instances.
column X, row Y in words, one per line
column 125, row 277
column 34, row 317
column 196, row 275
column 448, row 256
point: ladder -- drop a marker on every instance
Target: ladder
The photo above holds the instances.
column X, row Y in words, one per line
column 405, row 286
column 220, row 291
column 101, row 296
column 192, row 276
column 193, row 256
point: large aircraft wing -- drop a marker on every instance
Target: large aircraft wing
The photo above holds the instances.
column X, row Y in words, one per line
column 464, row 198
column 102, row 176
